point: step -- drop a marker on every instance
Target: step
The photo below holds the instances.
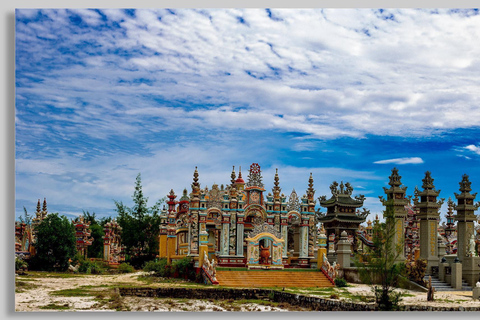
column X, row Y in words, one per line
column 443, row 286
column 272, row 279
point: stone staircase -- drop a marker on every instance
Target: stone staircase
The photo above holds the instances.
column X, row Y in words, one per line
column 443, row 286
column 272, row 278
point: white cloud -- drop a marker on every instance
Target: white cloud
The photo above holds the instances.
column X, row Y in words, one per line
column 473, row 148
column 411, row 160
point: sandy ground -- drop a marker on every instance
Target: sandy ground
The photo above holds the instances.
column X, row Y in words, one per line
column 442, row 298
column 40, row 298
column 37, row 295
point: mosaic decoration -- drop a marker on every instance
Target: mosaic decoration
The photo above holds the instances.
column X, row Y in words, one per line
column 264, row 227
column 293, row 202
column 254, row 176
column 215, row 198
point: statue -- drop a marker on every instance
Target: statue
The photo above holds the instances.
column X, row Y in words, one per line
column 471, row 246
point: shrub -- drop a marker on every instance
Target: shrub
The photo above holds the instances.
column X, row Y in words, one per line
column 415, row 271
column 125, row 268
column 340, row 282
column 184, row 268
column 20, row 264
column 159, row 267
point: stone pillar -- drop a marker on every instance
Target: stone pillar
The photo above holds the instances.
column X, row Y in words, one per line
column 429, row 216
column 162, row 243
column 465, row 217
column 203, row 248
column 225, row 240
column 442, row 248
column 304, row 240
column 441, row 271
column 284, row 231
column 106, row 251
column 456, row 276
column 476, row 293
column 343, row 250
column 471, row 270
column 396, row 198
column 322, row 249
column 240, row 235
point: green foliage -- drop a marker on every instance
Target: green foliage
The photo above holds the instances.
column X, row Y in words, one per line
column 96, row 249
column 184, row 268
column 340, row 282
column 140, row 225
column 20, row 264
column 159, row 267
column 91, row 267
column 88, row 266
column 125, row 268
column 379, row 264
column 56, row 243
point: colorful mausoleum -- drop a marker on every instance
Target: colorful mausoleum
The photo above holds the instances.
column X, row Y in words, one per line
column 241, row 225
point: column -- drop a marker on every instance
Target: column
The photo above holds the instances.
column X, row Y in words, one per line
column 240, row 235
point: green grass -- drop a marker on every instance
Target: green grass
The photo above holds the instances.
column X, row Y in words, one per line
column 53, row 306
column 24, row 284
column 83, row 291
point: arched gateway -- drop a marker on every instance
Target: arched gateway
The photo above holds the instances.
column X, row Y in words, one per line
column 264, row 247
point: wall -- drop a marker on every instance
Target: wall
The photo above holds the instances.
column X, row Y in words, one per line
column 313, row 303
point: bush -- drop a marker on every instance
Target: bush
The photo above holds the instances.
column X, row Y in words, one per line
column 159, row 267
column 20, row 264
column 184, row 268
column 125, row 268
column 340, row 282
column 90, row 267
column 415, row 271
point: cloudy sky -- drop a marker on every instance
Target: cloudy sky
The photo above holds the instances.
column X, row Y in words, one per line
column 346, row 94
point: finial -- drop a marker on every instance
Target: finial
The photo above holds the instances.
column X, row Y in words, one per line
column 395, row 178
column 428, row 181
column 44, row 209
column 465, row 184
column 310, row 184
column 233, row 177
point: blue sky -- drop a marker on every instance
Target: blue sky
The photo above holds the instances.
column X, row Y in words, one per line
column 347, row 94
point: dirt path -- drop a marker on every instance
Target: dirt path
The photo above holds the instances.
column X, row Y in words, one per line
column 37, row 292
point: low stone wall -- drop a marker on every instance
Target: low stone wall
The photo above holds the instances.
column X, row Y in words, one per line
column 313, row 303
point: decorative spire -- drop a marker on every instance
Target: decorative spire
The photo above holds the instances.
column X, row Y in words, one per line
column 428, row 181
column 195, row 184
column 255, row 176
column 185, row 195
column 451, row 207
column 240, row 172
column 233, row 177
column 395, row 178
column 310, row 184
column 38, row 212
column 465, row 184
column 293, row 202
column 276, row 189
column 44, row 208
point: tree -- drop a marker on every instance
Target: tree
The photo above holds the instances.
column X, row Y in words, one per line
column 56, row 243
column 96, row 249
column 140, row 226
column 379, row 266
